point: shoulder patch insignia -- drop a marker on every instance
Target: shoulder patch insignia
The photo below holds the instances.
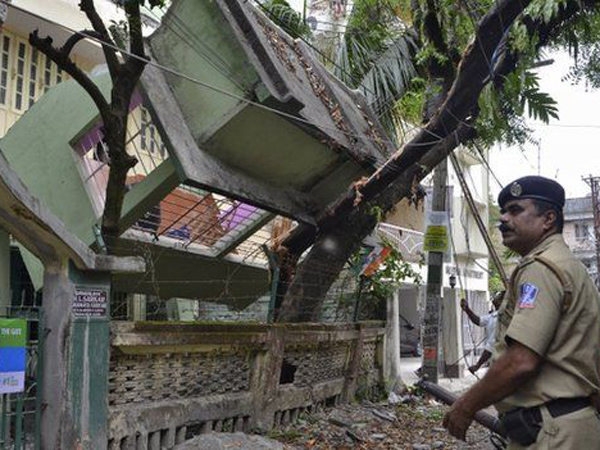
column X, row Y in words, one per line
column 527, row 295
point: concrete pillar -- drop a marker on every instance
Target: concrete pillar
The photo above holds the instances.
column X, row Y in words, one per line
column 265, row 378
column 75, row 382
column 5, row 292
column 451, row 335
column 391, row 366
column 138, row 307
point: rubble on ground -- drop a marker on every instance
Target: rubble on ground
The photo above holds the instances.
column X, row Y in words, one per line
column 413, row 423
column 229, row 441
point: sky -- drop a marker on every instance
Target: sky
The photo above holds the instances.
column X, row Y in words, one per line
column 569, row 147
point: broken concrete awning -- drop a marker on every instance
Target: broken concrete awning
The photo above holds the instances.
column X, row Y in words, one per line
column 260, row 118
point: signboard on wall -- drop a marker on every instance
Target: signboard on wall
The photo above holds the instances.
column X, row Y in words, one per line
column 13, row 355
column 90, row 302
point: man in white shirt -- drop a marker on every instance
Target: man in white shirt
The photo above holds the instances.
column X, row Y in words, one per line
column 488, row 322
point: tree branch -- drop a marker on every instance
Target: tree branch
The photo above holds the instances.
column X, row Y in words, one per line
column 110, row 54
column 346, row 224
column 434, row 33
column 127, row 78
column 135, row 29
column 62, row 60
column 508, row 59
column 68, row 46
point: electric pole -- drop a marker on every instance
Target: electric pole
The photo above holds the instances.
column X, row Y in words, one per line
column 435, row 263
column 594, row 183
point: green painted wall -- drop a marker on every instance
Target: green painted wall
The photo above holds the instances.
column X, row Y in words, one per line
column 38, row 148
column 196, row 40
column 273, row 150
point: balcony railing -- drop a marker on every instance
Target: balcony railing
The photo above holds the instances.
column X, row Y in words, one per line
column 408, row 242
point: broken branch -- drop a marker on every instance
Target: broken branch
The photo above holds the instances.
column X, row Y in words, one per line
column 110, row 54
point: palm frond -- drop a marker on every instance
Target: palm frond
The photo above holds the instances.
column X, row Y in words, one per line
column 390, row 74
column 382, row 72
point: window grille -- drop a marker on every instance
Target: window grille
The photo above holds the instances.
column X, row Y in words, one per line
column 149, row 138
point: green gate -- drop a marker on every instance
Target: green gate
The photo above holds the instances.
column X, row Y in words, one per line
column 20, row 414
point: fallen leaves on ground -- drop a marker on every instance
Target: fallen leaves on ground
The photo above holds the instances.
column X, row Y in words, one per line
column 415, row 425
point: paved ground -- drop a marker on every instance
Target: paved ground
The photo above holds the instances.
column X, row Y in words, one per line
column 408, row 367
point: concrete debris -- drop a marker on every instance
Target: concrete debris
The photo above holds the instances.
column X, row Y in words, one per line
column 378, row 426
column 229, row 441
column 421, row 447
column 385, row 415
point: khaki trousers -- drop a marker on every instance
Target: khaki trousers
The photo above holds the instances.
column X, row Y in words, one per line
column 579, row 430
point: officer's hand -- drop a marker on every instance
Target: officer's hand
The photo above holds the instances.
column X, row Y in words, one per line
column 463, row 303
column 458, row 420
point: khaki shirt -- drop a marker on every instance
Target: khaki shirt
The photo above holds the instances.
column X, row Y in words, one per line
column 534, row 314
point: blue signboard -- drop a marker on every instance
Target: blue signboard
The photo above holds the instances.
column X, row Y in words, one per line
column 13, row 355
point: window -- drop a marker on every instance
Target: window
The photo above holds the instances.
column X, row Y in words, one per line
column 20, row 75
column 583, row 231
column 33, row 75
column 25, row 73
column 4, row 67
column 47, row 74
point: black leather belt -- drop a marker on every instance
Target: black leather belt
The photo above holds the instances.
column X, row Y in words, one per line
column 561, row 406
column 522, row 425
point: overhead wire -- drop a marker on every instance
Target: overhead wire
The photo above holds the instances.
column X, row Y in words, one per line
column 463, row 286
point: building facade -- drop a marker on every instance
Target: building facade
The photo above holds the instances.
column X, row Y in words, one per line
column 579, row 231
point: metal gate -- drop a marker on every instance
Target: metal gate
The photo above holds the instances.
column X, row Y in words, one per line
column 20, row 413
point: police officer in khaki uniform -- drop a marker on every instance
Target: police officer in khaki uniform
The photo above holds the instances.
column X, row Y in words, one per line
column 547, row 353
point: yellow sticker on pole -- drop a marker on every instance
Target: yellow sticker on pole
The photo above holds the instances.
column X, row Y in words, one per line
column 436, row 239
column 436, row 234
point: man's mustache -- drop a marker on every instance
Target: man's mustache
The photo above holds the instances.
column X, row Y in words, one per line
column 504, row 228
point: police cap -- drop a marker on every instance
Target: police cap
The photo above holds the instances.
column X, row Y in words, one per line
column 535, row 187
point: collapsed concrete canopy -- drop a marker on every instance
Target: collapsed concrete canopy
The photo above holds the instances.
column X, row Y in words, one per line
column 263, row 121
